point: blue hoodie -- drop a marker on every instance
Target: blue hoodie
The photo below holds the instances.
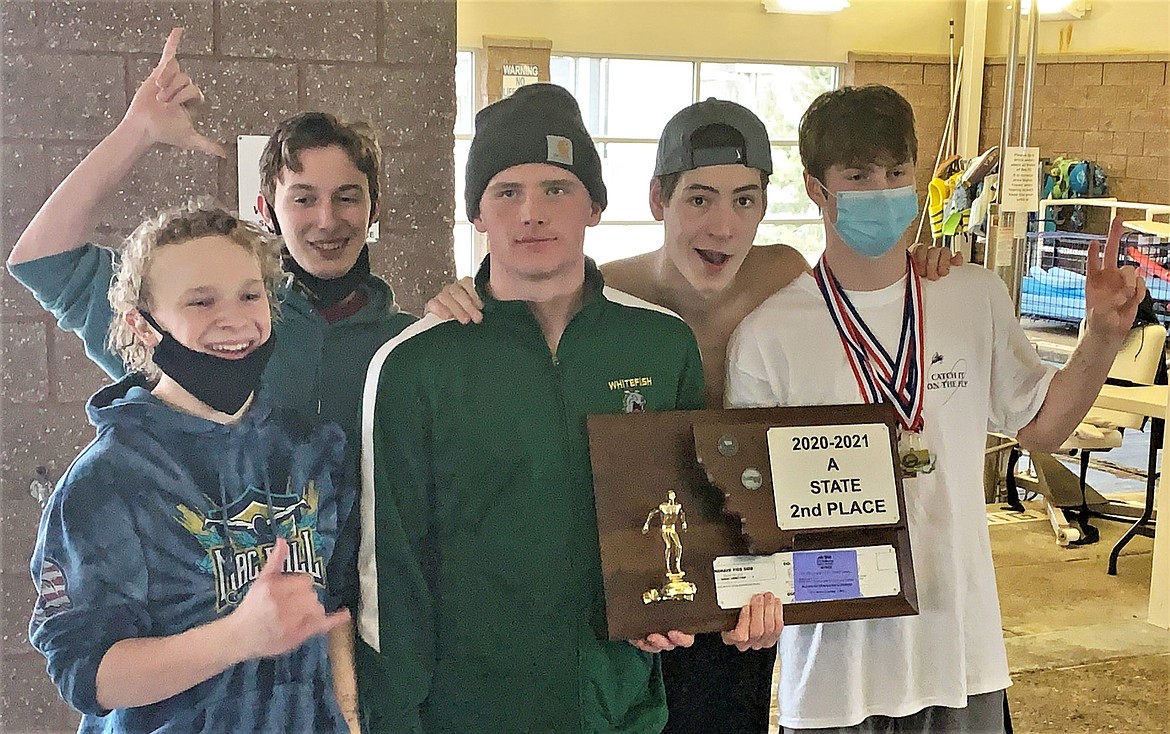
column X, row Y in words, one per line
column 160, row 525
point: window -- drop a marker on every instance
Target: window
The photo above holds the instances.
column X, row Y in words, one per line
column 625, row 112
column 466, row 260
column 627, row 102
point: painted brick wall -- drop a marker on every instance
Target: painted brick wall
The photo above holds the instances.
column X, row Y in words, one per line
column 69, row 69
column 1111, row 109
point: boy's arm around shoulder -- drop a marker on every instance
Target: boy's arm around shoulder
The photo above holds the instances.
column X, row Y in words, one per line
column 772, row 267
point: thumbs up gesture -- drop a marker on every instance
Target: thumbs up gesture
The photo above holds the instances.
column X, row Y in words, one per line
column 281, row 610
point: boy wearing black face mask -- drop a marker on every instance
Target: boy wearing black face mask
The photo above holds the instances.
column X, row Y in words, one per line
column 951, row 356
column 319, row 180
column 192, row 562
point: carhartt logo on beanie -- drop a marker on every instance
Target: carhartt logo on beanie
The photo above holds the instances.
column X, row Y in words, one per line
column 539, row 123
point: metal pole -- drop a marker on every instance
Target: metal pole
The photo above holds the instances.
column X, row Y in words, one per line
column 1001, row 255
column 954, row 80
column 1014, row 277
column 948, row 133
column 1009, row 81
column 1029, row 73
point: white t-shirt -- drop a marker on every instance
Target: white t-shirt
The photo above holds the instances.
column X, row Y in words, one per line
column 982, row 374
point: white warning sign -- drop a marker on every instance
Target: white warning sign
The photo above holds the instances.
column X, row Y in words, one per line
column 517, row 75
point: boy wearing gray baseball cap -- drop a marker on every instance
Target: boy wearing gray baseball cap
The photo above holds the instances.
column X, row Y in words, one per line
column 710, row 192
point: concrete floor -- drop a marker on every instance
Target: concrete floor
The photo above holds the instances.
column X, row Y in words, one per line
column 1082, row 657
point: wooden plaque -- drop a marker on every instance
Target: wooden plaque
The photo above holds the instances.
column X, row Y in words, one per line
column 638, row 457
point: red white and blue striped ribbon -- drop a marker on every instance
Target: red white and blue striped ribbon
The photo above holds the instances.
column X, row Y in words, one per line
column 903, row 381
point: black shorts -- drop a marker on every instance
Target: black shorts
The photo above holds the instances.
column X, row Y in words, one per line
column 713, row 687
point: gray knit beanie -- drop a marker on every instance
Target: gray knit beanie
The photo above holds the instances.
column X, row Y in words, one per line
column 539, row 123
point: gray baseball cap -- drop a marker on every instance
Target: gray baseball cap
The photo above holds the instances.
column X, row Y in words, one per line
column 677, row 151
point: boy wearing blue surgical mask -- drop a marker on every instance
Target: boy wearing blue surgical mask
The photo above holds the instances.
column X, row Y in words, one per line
column 952, row 358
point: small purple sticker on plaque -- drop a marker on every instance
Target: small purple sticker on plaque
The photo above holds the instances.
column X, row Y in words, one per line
column 825, row 575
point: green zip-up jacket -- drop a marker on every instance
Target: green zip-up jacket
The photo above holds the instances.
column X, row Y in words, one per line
column 317, row 369
column 482, row 606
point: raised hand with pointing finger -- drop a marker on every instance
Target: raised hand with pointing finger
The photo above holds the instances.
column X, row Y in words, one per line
column 163, row 103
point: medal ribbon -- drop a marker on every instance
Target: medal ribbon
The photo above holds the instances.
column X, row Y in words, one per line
column 903, row 381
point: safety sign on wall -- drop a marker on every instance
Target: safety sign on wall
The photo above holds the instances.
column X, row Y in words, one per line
column 517, row 75
column 1020, row 182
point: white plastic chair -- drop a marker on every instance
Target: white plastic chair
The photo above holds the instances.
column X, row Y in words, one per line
column 1137, row 363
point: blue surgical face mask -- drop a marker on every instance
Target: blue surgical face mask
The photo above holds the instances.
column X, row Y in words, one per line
column 872, row 222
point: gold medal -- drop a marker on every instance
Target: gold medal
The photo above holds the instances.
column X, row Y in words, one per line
column 901, row 381
column 912, row 456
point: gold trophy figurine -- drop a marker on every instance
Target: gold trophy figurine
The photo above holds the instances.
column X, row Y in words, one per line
column 672, row 515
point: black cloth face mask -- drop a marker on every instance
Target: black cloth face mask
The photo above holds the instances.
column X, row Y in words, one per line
column 324, row 293
column 223, row 384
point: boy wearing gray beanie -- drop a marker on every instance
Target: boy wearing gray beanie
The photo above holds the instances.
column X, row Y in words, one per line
column 539, row 123
column 481, row 581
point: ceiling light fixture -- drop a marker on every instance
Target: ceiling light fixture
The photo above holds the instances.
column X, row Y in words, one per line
column 805, row 7
column 1059, row 9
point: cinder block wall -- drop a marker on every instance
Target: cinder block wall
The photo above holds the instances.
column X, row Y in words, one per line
column 1114, row 110
column 69, row 70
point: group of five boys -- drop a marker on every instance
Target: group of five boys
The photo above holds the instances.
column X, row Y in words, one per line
column 224, row 557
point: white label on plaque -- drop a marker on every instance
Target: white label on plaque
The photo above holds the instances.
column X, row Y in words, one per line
column 833, row 476
column 738, row 577
column 807, row 576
